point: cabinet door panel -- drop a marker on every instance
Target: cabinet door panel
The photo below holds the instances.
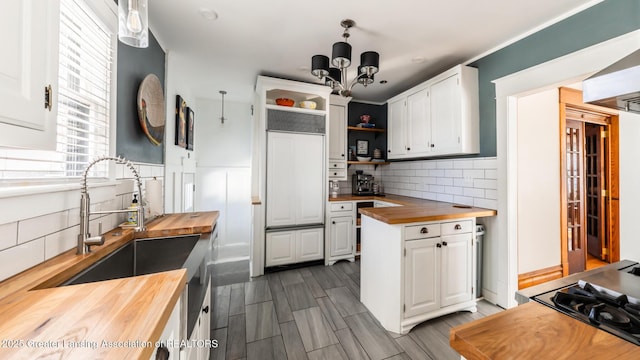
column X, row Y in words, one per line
column 446, row 115
column 281, row 186
column 421, row 273
column 397, row 129
column 457, row 268
column 309, row 244
column 281, row 248
column 308, row 167
column 419, row 123
column 337, row 133
column 341, row 229
column 29, row 34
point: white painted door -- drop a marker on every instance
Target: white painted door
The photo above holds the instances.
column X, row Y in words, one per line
column 457, row 269
column 337, row 133
column 419, row 123
column 446, row 115
column 280, row 248
column 308, row 176
column 309, row 244
column 421, row 276
column 340, row 237
column 29, row 63
column 281, row 179
column 397, row 128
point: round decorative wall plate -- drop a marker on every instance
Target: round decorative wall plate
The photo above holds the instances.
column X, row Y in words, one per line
column 151, row 112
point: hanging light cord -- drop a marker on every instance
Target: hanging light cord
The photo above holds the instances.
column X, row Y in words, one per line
column 223, row 94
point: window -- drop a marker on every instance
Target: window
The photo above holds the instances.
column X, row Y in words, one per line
column 86, row 52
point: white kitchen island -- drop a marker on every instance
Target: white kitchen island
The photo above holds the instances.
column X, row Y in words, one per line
column 418, row 262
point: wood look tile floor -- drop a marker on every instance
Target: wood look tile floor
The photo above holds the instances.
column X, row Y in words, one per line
column 315, row 313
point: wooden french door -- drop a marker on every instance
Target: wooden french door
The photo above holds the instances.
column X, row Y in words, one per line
column 589, row 186
column 574, row 169
column 596, row 174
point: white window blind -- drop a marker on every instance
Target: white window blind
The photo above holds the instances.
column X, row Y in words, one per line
column 84, row 108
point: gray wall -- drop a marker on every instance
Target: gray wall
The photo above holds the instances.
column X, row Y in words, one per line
column 599, row 23
column 133, row 65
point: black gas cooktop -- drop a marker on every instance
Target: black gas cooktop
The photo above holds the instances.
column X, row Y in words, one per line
column 609, row 301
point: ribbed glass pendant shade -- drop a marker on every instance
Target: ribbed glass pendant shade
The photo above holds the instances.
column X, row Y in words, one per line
column 341, row 55
column 133, row 23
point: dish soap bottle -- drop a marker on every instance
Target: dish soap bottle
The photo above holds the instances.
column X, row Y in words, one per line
column 132, row 216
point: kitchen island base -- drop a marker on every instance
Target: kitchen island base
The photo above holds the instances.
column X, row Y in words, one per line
column 417, row 271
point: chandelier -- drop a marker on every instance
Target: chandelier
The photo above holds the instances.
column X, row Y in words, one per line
column 336, row 76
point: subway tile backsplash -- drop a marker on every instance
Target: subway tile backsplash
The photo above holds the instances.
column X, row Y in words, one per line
column 33, row 239
column 462, row 181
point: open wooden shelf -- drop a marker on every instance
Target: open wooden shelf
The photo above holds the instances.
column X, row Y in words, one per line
column 376, row 163
column 355, row 128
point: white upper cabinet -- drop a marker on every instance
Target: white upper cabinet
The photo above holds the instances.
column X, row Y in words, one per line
column 439, row 117
column 337, row 132
column 397, row 128
column 419, row 121
column 28, row 65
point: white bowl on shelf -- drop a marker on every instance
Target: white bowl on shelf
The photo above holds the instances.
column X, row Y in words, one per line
column 307, row 104
column 364, row 158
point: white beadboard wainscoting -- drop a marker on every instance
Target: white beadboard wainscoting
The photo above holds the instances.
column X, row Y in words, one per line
column 39, row 223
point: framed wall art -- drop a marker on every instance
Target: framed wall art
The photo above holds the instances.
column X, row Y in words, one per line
column 362, row 147
column 190, row 119
column 181, row 122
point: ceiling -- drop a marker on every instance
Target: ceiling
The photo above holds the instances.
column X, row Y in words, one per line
column 416, row 39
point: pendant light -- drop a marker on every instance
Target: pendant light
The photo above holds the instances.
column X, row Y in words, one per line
column 133, row 24
column 336, row 76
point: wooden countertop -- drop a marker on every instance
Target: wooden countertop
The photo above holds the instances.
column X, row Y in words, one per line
column 414, row 209
column 123, row 306
column 535, row 331
column 50, row 322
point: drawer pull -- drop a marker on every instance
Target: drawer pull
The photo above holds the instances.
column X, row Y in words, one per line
column 333, row 222
column 424, row 230
column 206, row 309
column 341, row 207
column 457, row 227
column 335, row 165
column 438, row 245
column 342, row 155
column 334, row 174
column 444, row 243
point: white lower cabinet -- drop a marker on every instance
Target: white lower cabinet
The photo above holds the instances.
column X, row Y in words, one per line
column 288, row 247
column 199, row 341
column 340, row 232
column 415, row 272
column 170, row 337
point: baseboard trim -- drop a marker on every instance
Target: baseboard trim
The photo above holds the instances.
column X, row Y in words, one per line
column 539, row 276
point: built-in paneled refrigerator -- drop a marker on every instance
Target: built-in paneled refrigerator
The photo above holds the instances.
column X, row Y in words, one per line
column 295, row 188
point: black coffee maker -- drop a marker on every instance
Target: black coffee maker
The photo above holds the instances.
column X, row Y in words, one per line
column 362, row 184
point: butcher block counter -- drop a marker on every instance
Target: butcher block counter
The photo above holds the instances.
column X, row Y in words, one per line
column 32, row 309
column 535, row 331
column 414, row 209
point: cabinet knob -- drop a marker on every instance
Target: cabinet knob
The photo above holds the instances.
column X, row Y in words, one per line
column 342, row 155
column 206, row 309
column 336, row 165
column 433, row 145
column 438, row 245
column 389, row 150
column 341, row 207
column 424, row 230
column 457, row 227
column 333, row 222
column 408, row 149
column 335, row 174
column 444, row 243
